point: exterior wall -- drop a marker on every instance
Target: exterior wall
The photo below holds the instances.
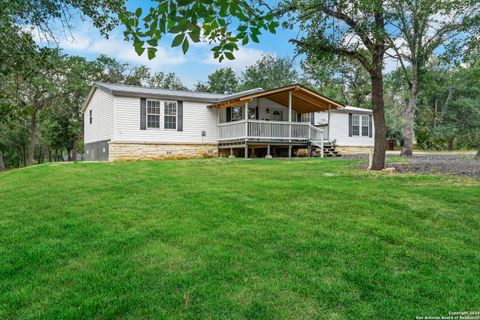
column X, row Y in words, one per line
column 338, row 129
column 196, row 118
column 96, row 151
column 102, row 125
column 121, row 151
column 263, row 104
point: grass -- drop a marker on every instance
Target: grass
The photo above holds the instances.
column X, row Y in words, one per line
column 235, row 239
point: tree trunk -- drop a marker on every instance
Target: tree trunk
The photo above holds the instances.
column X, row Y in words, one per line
column 378, row 162
column 33, row 136
column 2, row 165
column 407, row 149
column 478, row 153
column 450, row 144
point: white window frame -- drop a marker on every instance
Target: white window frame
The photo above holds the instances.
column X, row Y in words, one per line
column 154, row 114
column 165, row 115
column 241, row 114
column 90, row 115
column 365, row 124
column 359, row 124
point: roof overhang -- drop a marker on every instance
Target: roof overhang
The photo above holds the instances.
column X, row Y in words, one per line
column 304, row 100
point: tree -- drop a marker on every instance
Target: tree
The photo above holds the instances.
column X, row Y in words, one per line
column 201, row 87
column 46, row 15
column 329, row 27
column 354, row 30
column 223, row 80
column 343, row 80
column 269, row 72
column 166, row 81
column 425, row 26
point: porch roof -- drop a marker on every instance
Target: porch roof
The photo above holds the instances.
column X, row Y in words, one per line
column 304, row 100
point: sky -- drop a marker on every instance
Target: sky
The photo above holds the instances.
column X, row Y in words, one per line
column 84, row 40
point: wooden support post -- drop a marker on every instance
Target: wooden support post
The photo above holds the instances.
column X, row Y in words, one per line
column 268, row 156
column 231, row 153
column 289, row 151
column 246, row 151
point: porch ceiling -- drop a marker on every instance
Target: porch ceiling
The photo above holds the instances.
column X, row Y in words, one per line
column 304, row 100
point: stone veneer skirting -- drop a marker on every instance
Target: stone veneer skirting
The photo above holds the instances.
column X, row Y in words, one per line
column 346, row 150
column 121, row 151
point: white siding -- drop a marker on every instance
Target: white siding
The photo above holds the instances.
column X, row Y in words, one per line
column 263, row 104
column 101, row 127
column 339, row 130
column 196, row 118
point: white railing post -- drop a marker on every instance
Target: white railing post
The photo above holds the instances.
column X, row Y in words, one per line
column 290, row 114
column 321, row 144
column 246, row 120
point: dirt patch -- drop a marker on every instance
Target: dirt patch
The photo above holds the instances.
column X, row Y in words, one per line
column 455, row 164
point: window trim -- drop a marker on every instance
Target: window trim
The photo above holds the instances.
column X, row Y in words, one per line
column 165, row 115
column 241, row 114
column 359, row 125
column 153, row 114
column 365, row 125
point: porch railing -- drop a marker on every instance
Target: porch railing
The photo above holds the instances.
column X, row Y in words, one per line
column 269, row 130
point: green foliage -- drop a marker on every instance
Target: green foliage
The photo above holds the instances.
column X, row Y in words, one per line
column 44, row 14
column 269, row 72
column 215, row 239
column 222, row 22
column 342, row 80
column 449, row 110
column 223, row 80
column 166, row 81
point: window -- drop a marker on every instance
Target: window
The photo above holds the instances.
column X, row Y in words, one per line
column 356, row 125
column 365, row 125
column 252, row 113
column 236, row 113
column 305, row 117
column 170, row 117
column 153, row 114
column 90, row 115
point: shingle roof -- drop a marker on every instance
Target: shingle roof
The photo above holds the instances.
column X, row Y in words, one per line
column 129, row 90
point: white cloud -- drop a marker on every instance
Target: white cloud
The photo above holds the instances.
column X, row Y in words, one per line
column 115, row 47
column 243, row 57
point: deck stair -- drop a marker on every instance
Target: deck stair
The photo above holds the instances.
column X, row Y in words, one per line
column 329, row 150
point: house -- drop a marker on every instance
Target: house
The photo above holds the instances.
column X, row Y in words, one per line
column 350, row 129
column 123, row 122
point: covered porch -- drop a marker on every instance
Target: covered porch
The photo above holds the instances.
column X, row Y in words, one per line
column 277, row 118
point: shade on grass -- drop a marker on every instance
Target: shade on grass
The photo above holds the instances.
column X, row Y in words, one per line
column 216, row 239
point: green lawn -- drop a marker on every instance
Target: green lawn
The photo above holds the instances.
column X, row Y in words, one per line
column 235, row 239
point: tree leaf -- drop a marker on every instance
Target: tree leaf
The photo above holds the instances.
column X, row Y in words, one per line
column 178, row 40
column 229, row 55
column 185, row 45
column 151, row 52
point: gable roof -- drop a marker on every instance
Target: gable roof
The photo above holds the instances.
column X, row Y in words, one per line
column 304, row 99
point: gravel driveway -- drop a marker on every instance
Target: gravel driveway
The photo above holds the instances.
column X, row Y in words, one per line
column 462, row 164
